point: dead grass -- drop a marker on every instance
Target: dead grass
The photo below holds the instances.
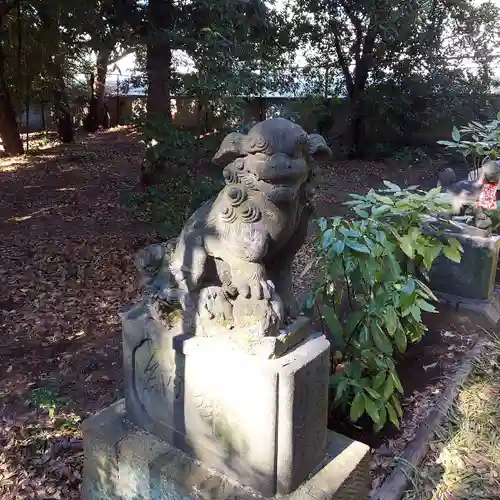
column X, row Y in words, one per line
column 464, row 460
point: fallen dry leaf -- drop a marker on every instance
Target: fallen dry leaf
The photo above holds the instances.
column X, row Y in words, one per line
column 428, row 367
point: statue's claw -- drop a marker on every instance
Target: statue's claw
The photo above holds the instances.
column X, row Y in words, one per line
column 257, row 288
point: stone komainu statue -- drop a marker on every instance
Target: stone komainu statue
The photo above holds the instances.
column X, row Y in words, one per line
column 472, row 197
column 231, row 266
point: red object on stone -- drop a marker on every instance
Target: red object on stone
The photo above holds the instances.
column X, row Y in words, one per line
column 488, row 196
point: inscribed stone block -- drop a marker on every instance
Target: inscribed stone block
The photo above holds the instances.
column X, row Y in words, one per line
column 262, row 422
column 474, row 276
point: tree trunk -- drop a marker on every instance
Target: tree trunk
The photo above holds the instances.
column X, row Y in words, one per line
column 159, row 59
column 62, row 110
column 356, row 127
column 42, row 109
column 9, row 129
column 55, row 65
column 97, row 112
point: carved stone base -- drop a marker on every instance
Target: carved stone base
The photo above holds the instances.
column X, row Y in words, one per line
column 262, row 422
column 485, row 313
column 123, row 462
column 472, row 278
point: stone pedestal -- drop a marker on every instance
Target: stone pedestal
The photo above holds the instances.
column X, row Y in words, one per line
column 124, row 462
column 472, row 278
column 485, row 313
column 260, row 422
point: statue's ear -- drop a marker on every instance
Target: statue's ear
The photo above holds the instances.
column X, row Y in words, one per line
column 317, row 147
column 230, row 149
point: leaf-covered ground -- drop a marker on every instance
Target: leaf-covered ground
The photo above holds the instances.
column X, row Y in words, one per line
column 66, row 271
column 463, row 462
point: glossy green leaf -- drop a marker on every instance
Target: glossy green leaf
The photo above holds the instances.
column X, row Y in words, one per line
column 416, row 314
column 397, row 382
column 453, row 242
column 392, row 414
column 452, row 254
column 327, row 238
column 380, row 339
column 340, row 389
column 384, row 199
column 364, row 335
column 401, row 340
column 350, row 232
column 406, row 246
column 322, row 223
column 353, row 321
column 448, row 144
column 338, row 246
column 455, row 134
column 425, row 306
column 426, row 290
column 378, row 380
column 381, row 209
column 357, row 247
column 393, row 187
column 372, row 392
column 333, row 323
column 409, row 288
column 397, row 405
column 391, row 320
column 357, row 407
column 371, row 409
column 382, row 412
column 362, row 213
column 388, row 389
column 430, row 254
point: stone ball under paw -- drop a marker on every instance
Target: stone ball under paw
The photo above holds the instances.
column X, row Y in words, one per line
column 258, row 318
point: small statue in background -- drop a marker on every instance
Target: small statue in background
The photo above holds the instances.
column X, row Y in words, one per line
column 473, row 197
column 231, row 266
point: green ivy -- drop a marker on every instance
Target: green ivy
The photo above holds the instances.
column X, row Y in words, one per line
column 372, row 293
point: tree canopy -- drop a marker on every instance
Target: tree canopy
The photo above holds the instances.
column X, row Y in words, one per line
column 363, row 50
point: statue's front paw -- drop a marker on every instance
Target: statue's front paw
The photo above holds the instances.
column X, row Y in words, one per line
column 257, row 288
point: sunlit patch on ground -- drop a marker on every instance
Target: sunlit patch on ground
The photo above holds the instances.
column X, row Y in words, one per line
column 464, row 460
column 14, row 163
column 37, row 213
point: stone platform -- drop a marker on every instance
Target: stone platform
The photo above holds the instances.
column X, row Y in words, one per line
column 124, row 462
column 261, row 422
column 485, row 313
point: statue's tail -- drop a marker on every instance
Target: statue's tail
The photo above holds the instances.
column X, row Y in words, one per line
column 446, row 178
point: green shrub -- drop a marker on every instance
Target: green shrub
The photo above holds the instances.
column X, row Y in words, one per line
column 166, row 144
column 372, row 293
column 476, row 141
column 179, row 187
column 171, row 202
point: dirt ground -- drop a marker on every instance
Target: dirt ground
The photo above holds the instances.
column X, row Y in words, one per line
column 66, row 271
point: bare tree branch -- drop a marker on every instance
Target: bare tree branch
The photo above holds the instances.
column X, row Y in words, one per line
column 358, row 28
column 341, row 57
